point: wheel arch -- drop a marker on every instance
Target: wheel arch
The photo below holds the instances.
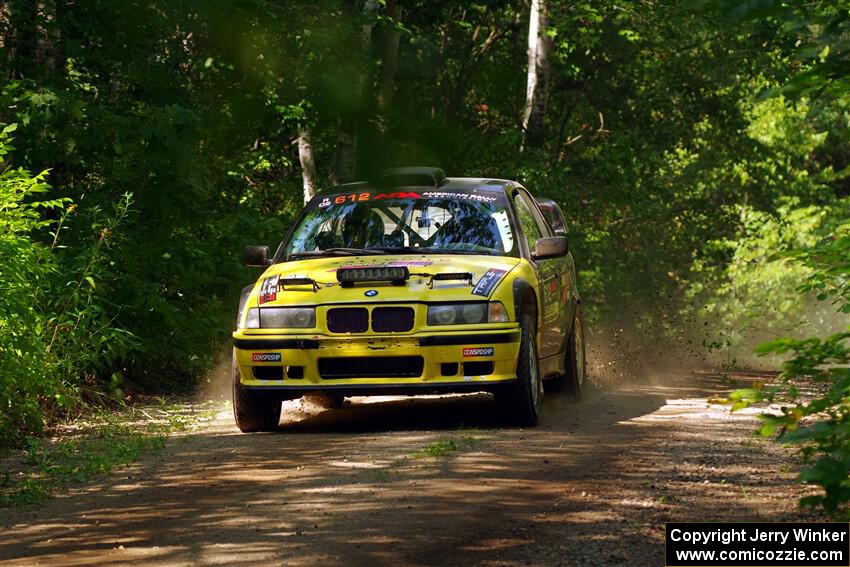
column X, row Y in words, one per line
column 525, row 301
column 243, row 299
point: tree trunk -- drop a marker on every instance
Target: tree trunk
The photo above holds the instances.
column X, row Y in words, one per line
column 389, row 64
column 5, row 24
column 537, row 89
column 345, row 159
column 30, row 36
column 308, row 164
column 46, row 30
column 22, row 37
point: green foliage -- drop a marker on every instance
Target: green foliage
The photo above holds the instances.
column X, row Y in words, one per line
column 439, row 448
column 829, row 261
column 29, row 377
column 171, row 174
column 815, row 388
column 746, row 289
column 445, row 446
column 740, row 284
column 56, row 332
column 819, row 32
column 83, row 336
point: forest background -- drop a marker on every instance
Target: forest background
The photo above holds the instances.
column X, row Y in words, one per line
column 700, row 151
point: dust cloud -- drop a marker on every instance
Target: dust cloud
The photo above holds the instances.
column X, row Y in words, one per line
column 621, row 354
column 216, row 385
column 643, row 347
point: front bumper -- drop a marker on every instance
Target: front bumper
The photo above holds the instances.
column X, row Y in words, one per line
column 468, row 360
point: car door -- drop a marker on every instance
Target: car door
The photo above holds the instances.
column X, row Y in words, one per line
column 555, row 217
column 551, row 274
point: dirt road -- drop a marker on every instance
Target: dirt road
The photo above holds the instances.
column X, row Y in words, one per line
column 431, row 481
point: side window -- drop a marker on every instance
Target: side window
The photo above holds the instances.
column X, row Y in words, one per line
column 533, row 225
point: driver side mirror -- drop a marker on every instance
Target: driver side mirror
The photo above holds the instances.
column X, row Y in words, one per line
column 256, row 256
column 550, row 247
column 554, row 216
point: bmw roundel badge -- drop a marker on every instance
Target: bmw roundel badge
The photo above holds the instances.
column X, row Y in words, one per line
column 371, row 293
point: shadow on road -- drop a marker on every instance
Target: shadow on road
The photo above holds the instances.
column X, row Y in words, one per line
column 445, row 413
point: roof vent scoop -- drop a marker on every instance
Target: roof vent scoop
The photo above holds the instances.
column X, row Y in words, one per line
column 412, row 176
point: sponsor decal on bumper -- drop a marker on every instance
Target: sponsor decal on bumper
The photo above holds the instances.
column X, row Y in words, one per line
column 478, row 351
column 266, row 357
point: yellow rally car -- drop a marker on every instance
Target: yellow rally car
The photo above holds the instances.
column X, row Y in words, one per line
column 412, row 284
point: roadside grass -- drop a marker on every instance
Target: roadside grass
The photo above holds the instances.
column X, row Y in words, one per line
column 446, row 445
column 94, row 446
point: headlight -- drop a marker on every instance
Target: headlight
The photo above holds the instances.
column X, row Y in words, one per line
column 442, row 314
column 474, row 312
column 252, row 319
column 467, row 313
column 281, row 318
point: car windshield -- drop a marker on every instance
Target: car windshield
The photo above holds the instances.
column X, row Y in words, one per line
column 371, row 221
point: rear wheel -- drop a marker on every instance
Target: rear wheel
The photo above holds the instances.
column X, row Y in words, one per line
column 520, row 400
column 253, row 410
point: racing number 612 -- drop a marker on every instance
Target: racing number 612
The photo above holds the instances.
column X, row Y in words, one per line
column 353, row 198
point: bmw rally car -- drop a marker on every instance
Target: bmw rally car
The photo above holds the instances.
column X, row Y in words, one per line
column 412, row 284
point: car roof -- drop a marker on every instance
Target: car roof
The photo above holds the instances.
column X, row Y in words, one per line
column 423, row 178
column 450, row 184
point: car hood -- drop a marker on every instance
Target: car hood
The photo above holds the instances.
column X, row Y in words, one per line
column 487, row 271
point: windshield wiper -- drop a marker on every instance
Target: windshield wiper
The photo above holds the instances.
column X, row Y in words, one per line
column 339, row 252
column 403, row 249
column 412, row 250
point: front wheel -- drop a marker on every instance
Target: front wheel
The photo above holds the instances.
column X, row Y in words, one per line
column 253, row 410
column 575, row 362
column 520, row 400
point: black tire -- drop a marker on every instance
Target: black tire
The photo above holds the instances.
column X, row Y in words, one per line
column 253, row 410
column 520, row 400
column 575, row 363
